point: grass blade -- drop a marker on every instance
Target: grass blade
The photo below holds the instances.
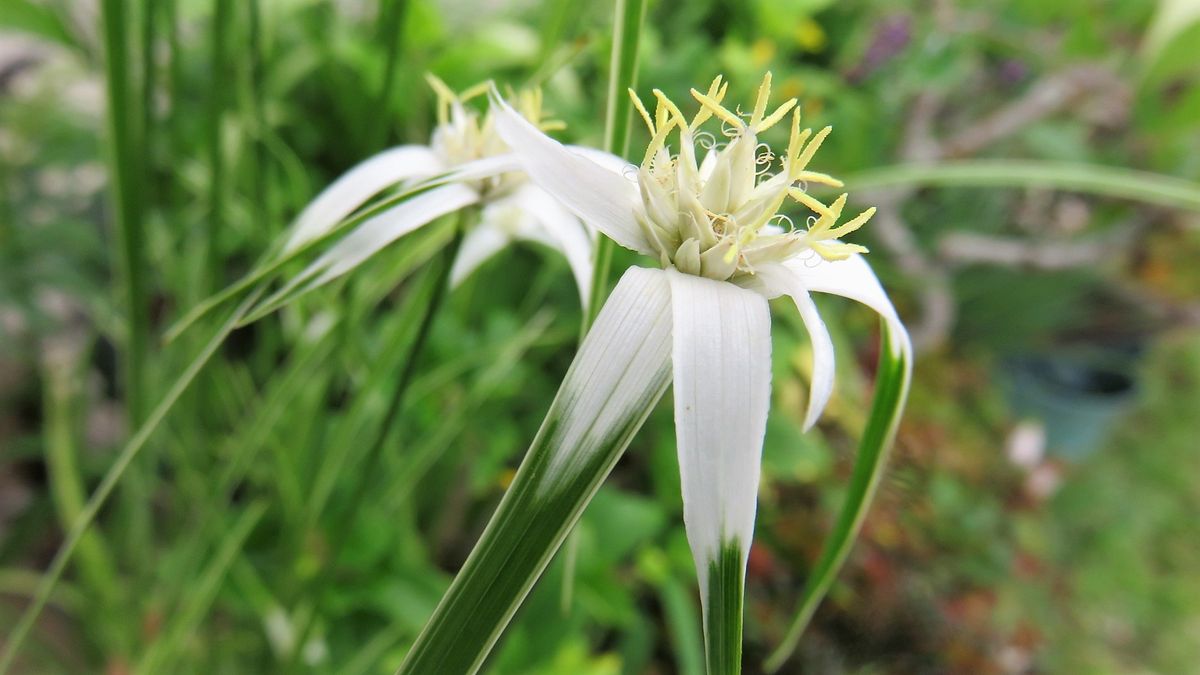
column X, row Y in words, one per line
column 1108, row 181
column 619, row 373
column 627, row 32
column 197, row 603
column 130, row 452
column 891, row 391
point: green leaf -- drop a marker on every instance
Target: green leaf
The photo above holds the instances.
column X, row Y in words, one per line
column 1106, row 181
column 36, row 19
column 87, row 515
column 185, row 621
column 1171, row 20
column 620, row 372
column 891, row 391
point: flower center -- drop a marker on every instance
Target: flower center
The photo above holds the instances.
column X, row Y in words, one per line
column 463, row 135
column 720, row 217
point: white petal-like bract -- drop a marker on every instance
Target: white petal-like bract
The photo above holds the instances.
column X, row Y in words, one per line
column 602, row 198
column 363, row 181
column 784, row 281
column 722, row 359
column 382, row 229
column 851, row 278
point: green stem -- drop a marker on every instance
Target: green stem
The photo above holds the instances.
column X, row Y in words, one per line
column 88, row 515
column 391, row 15
column 216, row 107
column 627, row 30
column 126, row 205
column 125, row 170
column 1101, row 180
column 723, row 611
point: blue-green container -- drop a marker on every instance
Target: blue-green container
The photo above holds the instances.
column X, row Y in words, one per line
column 1079, row 396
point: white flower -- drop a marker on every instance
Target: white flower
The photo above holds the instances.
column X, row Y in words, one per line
column 716, row 227
column 467, row 164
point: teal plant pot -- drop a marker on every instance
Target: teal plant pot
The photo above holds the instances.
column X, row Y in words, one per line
column 1079, row 396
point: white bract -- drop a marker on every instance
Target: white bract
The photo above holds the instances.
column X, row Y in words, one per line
column 466, row 165
column 716, row 226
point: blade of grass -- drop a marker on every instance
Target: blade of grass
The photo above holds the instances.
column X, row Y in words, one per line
column 162, row 653
column 627, row 31
column 431, row 296
column 628, row 17
column 90, row 510
column 273, row 261
column 891, row 391
column 126, row 178
column 621, row 371
column 221, row 29
column 1108, row 181
column 391, row 27
column 96, row 569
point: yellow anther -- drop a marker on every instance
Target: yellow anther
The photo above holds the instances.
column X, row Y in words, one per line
column 445, row 96
column 716, row 92
column 719, row 110
column 439, row 87
column 670, row 106
column 852, row 225
column 658, row 141
column 760, row 104
column 817, row 177
column 774, row 117
column 808, row 200
column 482, row 88
column 796, row 138
column 834, row 251
column 811, row 149
column 820, row 228
column 637, row 104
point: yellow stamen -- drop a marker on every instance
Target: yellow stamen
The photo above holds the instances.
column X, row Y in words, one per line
column 482, row 88
column 719, row 110
column 825, row 222
column 716, row 92
column 808, row 200
column 837, row 250
column 760, row 104
column 774, row 117
column 818, row 177
column 658, row 141
column 669, row 105
column 852, row 225
column 796, row 139
column 637, row 104
column 811, row 149
column 445, row 96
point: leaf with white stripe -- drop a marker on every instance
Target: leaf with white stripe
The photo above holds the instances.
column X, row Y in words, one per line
column 620, row 372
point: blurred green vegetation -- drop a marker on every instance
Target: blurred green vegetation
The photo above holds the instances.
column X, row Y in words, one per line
column 968, row 562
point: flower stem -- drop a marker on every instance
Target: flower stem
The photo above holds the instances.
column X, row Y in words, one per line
column 221, row 28
column 627, row 30
column 391, row 19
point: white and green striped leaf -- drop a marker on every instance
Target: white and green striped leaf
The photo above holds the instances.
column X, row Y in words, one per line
column 620, row 372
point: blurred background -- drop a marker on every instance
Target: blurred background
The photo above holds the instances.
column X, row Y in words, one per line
column 1040, row 511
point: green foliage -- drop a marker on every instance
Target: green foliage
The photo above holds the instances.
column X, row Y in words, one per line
column 252, row 561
